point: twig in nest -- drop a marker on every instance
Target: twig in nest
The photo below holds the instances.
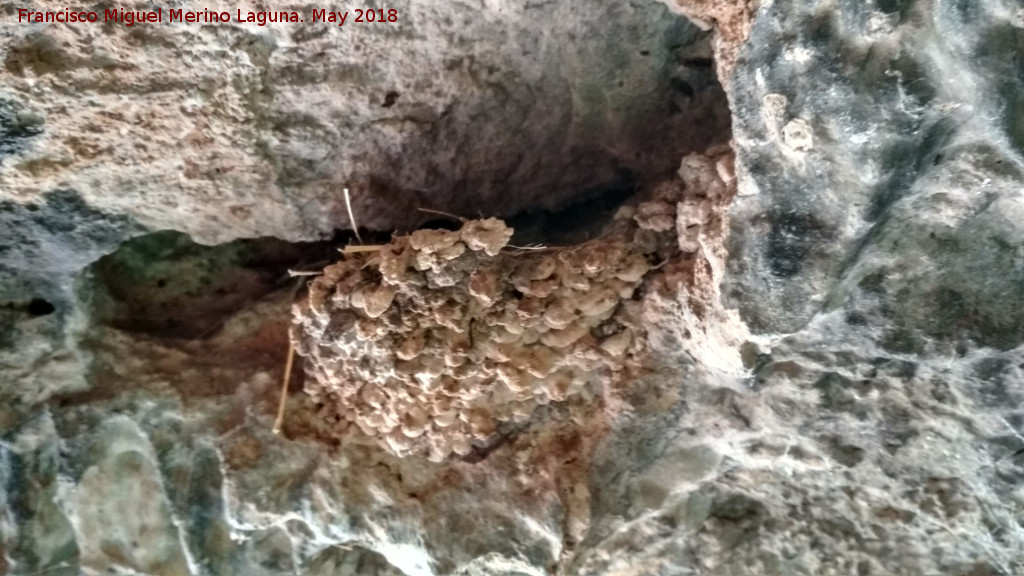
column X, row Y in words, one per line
column 351, row 217
column 355, row 249
column 532, row 247
column 440, row 213
column 279, row 421
column 294, row 273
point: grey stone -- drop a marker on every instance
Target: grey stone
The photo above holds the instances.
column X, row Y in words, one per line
column 866, row 419
column 238, row 130
column 898, row 100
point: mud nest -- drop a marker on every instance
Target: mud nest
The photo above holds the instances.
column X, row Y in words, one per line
column 427, row 344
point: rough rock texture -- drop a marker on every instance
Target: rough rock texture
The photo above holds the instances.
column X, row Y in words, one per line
column 877, row 247
column 224, row 131
column 167, row 465
column 831, row 384
column 731, row 21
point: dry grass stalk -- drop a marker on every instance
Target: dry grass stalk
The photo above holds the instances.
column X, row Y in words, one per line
column 440, row 213
column 279, row 421
column 357, row 249
column 351, row 216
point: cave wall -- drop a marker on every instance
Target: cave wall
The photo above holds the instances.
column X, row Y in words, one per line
column 833, row 385
column 240, row 130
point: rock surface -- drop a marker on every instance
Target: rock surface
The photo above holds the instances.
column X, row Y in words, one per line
column 226, row 131
column 731, row 21
column 833, row 378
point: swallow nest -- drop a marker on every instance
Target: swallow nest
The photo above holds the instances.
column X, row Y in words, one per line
column 427, row 344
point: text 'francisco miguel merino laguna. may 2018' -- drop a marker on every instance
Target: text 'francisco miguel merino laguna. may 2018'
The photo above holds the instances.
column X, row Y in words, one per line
column 159, row 15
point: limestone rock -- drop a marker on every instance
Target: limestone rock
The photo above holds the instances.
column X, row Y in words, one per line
column 235, row 130
column 731, row 21
column 891, row 126
column 828, row 371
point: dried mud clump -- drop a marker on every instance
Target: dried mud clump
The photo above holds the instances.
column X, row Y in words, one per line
column 426, row 345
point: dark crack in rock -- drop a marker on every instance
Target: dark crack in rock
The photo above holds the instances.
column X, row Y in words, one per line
column 17, row 127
